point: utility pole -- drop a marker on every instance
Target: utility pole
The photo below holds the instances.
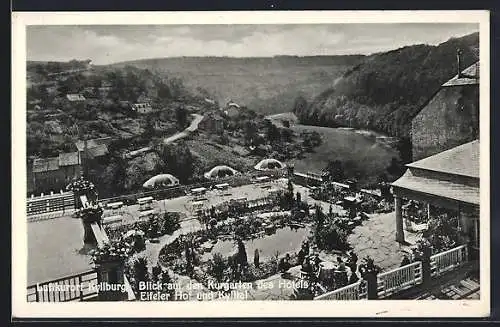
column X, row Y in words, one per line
column 84, row 155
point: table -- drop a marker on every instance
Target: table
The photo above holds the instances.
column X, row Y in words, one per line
column 148, row 199
column 115, row 205
column 262, row 178
column 111, row 219
column 222, row 186
column 199, row 190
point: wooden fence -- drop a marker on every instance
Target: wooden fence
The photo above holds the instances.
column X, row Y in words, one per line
column 79, row 287
column 448, row 260
column 403, row 278
column 399, row 279
column 61, row 202
column 355, row 291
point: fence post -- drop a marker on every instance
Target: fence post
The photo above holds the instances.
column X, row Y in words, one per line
column 369, row 272
column 425, row 258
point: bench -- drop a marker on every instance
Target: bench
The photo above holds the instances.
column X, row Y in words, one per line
column 111, row 220
column 223, row 186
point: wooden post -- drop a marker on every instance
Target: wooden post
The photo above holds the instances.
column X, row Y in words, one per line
column 371, row 285
column 400, row 235
column 111, row 281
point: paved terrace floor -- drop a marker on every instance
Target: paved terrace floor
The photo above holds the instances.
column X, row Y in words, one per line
column 376, row 237
column 55, row 249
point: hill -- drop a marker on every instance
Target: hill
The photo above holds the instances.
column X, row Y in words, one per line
column 266, row 85
column 387, row 89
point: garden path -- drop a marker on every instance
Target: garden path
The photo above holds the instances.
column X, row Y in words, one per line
column 153, row 249
column 376, row 238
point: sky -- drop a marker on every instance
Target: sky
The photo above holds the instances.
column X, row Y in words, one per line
column 105, row 44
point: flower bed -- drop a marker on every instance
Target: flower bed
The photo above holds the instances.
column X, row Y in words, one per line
column 115, row 251
column 152, row 227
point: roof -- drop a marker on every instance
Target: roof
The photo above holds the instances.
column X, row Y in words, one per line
column 75, row 97
column 98, row 151
column 469, row 76
column 80, row 144
column 462, row 160
column 68, row 159
column 443, row 189
column 45, row 164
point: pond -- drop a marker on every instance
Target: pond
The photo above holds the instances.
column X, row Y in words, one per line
column 284, row 240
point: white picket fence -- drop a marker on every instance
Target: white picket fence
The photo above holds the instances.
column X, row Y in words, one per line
column 448, row 260
column 399, row 279
column 355, row 291
column 403, row 278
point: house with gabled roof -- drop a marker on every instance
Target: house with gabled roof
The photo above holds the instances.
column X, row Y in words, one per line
column 450, row 117
column 54, row 173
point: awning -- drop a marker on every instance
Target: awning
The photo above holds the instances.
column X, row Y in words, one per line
column 439, row 188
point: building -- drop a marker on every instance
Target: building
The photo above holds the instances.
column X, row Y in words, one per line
column 104, row 91
column 144, row 99
column 75, row 97
column 54, row 173
column 52, row 90
column 142, row 108
column 450, row 180
column 232, row 109
column 450, row 117
column 95, row 148
column 212, row 123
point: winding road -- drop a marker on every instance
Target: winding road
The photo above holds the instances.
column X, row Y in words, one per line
column 191, row 128
column 180, row 135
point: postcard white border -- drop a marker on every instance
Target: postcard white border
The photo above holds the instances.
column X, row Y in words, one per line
column 355, row 309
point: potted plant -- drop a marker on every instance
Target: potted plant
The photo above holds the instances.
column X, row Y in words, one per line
column 114, row 252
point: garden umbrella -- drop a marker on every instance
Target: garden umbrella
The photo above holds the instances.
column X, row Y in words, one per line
column 220, row 172
column 161, row 180
column 269, row 164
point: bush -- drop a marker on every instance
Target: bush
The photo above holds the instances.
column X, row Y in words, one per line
column 169, row 222
column 219, row 265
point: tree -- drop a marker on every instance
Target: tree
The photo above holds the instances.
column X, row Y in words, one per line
column 336, row 170
column 286, row 135
column 300, row 106
column 256, row 260
column 250, row 130
column 140, row 268
column 149, row 129
column 181, row 116
column 178, row 160
column 242, row 253
column 273, row 133
column 319, row 221
column 218, row 267
column 170, row 222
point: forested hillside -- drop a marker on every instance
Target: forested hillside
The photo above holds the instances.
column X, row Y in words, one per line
column 266, row 85
column 386, row 90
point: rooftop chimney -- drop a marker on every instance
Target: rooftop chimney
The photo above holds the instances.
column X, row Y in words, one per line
column 459, row 63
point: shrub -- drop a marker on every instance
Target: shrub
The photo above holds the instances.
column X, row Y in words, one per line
column 219, row 265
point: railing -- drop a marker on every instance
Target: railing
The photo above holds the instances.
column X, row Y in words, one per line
column 53, row 203
column 448, row 260
column 356, row 291
column 176, row 191
column 403, row 278
column 79, row 287
column 399, row 279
